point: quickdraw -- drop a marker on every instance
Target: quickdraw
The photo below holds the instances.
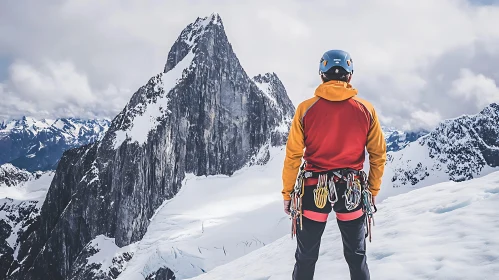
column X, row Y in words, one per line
column 368, row 207
column 353, row 193
column 333, row 195
column 321, row 192
column 296, row 201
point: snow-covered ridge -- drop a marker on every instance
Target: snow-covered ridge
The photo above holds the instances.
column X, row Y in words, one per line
column 458, row 149
column 273, row 90
column 264, row 83
column 11, row 176
column 144, row 116
column 445, row 231
column 70, row 127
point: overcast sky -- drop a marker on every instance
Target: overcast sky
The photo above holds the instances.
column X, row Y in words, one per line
column 418, row 62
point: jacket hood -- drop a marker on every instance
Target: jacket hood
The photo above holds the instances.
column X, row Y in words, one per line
column 335, row 91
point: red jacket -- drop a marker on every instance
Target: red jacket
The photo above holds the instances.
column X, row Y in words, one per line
column 335, row 127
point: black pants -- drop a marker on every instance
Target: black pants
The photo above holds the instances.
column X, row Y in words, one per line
column 309, row 241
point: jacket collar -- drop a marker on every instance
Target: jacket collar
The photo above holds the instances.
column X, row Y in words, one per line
column 335, row 91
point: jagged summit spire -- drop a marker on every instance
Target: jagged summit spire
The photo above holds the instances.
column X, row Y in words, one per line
column 202, row 30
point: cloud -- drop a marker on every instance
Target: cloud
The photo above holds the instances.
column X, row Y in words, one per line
column 430, row 118
column 408, row 57
column 475, row 88
column 54, row 88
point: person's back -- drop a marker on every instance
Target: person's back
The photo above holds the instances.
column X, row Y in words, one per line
column 334, row 128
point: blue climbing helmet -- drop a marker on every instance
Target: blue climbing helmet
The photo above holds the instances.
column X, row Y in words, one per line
column 336, row 58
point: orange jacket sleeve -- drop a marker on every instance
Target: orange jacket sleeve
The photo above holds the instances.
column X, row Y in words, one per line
column 294, row 149
column 376, row 147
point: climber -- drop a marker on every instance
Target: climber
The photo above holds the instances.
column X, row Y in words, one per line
column 331, row 132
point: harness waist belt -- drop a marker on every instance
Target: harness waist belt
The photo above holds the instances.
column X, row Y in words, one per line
column 313, row 181
column 315, row 216
column 350, row 216
column 342, row 172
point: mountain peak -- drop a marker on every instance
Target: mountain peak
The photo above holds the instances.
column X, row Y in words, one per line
column 492, row 109
column 204, row 30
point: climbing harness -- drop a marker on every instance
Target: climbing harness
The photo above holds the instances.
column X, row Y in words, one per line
column 356, row 192
column 321, row 192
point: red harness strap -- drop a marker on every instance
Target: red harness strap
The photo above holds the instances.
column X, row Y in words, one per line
column 311, row 181
column 350, row 216
column 322, row 217
column 315, row 216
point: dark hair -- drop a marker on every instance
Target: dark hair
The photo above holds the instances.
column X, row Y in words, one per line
column 336, row 73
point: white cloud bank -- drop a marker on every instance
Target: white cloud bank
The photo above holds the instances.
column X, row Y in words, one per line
column 67, row 56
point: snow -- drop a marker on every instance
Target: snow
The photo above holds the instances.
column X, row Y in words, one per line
column 445, row 231
column 27, row 123
column 35, row 189
column 217, row 219
column 266, row 88
column 212, row 221
column 21, row 196
column 59, row 124
column 283, row 127
column 215, row 17
column 198, row 30
column 106, row 250
column 147, row 121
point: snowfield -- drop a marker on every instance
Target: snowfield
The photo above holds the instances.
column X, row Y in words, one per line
column 34, row 189
column 445, row 231
column 213, row 220
column 221, row 227
column 428, row 233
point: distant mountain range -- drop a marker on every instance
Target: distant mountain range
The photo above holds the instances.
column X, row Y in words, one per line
column 397, row 139
column 37, row 145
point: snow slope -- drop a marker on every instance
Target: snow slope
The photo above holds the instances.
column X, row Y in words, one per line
column 216, row 219
column 212, row 221
column 445, row 231
column 33, row 189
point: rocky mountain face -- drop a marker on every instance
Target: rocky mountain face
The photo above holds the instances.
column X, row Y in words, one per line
column 203, row 115
column 37, row 145
column 12, row 176
column 396, row 140
column 458, row 149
